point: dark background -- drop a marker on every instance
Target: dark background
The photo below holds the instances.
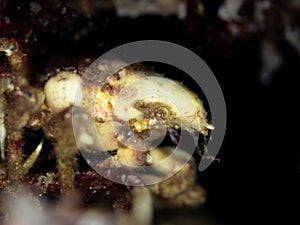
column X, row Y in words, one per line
column 258, row 177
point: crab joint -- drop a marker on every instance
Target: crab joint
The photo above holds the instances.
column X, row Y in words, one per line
column 15, row 56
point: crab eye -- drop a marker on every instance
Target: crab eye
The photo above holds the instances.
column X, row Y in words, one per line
column 9, row 49
column 12, row 47
column 161, row 113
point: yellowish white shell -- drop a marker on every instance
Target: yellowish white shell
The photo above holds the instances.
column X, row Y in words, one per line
column 60, row 90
